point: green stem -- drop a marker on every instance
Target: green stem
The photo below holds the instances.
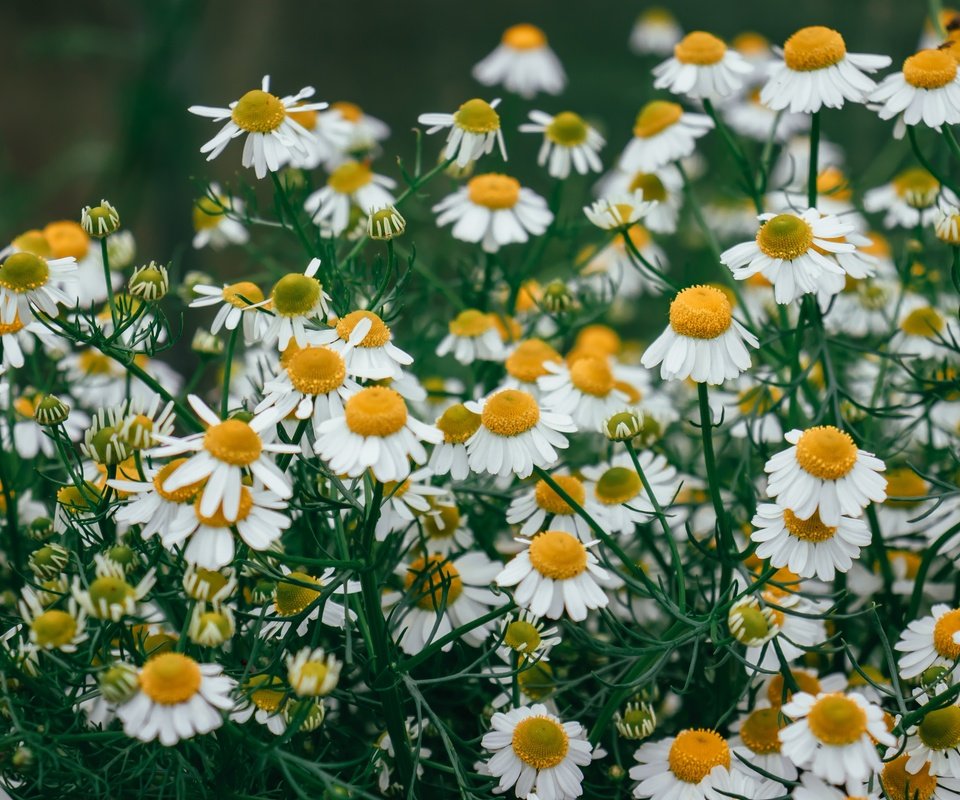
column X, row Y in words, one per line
column 227, row 369
column 725, row 545
column 929, row 556
column 106, row 276
column 13, row 525
column 292, row 215
column 812, row 170
column 738, row 155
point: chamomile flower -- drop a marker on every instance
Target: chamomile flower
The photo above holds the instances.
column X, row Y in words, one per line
column 909, row 200
column 834, row 735
column 52, row 628
column 209, row 586
column 615, row 487
column 703, row 341
column 353, row 183
column 568, row 140
column 614, row 271
column 273, row 136
column 585, row 389
column 364, row 131
column 404, row 501
column 522, row 63
column 556, row 572
column 515, row 434
column 178, row 699
column 109, row 595
column 375, row 432
column 927, row 90
column 663, row 133
column 457, row 424
column 756, row 743
column 662, row 187
column 543, row 508
column 295, row 300
column 751, row 118
column 725, row 783
column 494, row 210
column 808, row 547
column 527, row 363
column 930, row 641
column 18, row 340
column 29, row 281
column 365, row 342
column 679, row 767
column 227, row 451
column 789, row 619
column 619, row 211
column 812, row 788
column 214, row 223
column 924, row 331
column 533, row 751
column 923, row 783
column 823, row 471
column 818, row 71
column 935, row 742
column 655, row 32
column 702, row 67
column 312, row 672
column 262, row 697
column 473, row 336
column 474, row 131
column 241, row 302
column 150, row 505
column 524, row 636
column 295, row 599
column 213, row 626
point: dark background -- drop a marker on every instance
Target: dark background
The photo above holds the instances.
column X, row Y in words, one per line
column 96, row 92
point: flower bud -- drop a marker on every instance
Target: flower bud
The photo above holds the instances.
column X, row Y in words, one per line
column 623, row 426
column 100, row 221
column 50, row 410
column 151, row 281
column 385, row 223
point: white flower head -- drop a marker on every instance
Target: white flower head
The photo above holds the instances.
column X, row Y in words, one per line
column 522, row 63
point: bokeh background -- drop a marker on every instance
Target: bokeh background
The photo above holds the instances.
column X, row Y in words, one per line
column 96, row 92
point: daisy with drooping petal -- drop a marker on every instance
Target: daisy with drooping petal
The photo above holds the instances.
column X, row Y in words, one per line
column 818, row 71
column 927, row 90
column 925, row 331
column 474, row 130
column 473, row 336
column 178, row 699
column 17, row 340
column 272, row 135
column 214, row 223
column 457, row 424
column 515, row 434
column 616, row 273
column 364, row 131
column 365, row 342
column 619, row 211
column 405, row 501
column 313, row 673
column 703, row 340
column 616, row 487
column 585, row 390
column 543, row 508
column 567, row 141
column 377, row 433
column 789, row 619
column 522, row 63
column 151, row 506
column 227, row 451
column 524, row 636
column 52, row 628
column 109, row 595
column 702, row 67
column 655, row 32
column 923, row 783
column 679, row 767
column 663, row 133
column 808, row 547
column 353, row 183
column 528, row 363
column 834, row 735
column 29, row 281
column 494, row 210
column 556, row 572
column 910, row 199
column 823, row 471
column 297, row 592
column 295, row 300
column 212, row 626
column 533, row 751
column 934, row 743
column 241, row 302
column 262, row 697
column 209, row 586
column 933, row 640
column 663, row 188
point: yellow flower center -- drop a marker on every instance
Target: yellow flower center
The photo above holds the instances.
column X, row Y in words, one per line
column 785, row 236
column 651, row 186
column 218, row 519
column 930, row 69
column 243, row 294
column 700, row 48
column 207, row 213
column 54, row 628
column 350, row 177
column 510, row 413
column 924, row 321
column 208, row 584
column 477, row 116
column 917, row 187
column 524, row 37
column 700, row 312
column 522, row 636
column 378, row 335
column 313, row 672
column 112, row 590
column 13, row 327
column 23, row 272
column 540, row 742
column 567, row 129
column 258, row 112
column 752, row 624
column 618, row 485
column 431, row 578
column 376, row 411
column 184, row 495
column 233, row 442
column 558, row 555
column 291, row 598
column 308, row 119
column 805, row 681
column 449, row 517
column 67, row 238
column 834, row 183
column 349, row 111
column 74, row 500
column 494, row 191
column 536, row 681
column 551, row 502
column 898, row 784
column 170, row 678
column 837, row 720
column 940, row 729
column 33, row 242
column 471, row 323
column 316, row 370
column 808, row 530
column 526, row 362
column 267, row 692
column 295, row 295
column 903, row 482
column 826, row 452
column 758, row 400
column 760, row 730
column 695, row 752
column 813, row 48
column 458, row 424
column 592, row 376
column 597, row 340
column 750, row 43
column 943, row 635
column 219, row 621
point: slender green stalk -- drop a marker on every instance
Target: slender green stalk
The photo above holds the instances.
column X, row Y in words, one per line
column 13, row 525
column 227, row 369
column 292, row 217
column 725, row 545
column 105, row 257
column 743, row 163
column 812, row 166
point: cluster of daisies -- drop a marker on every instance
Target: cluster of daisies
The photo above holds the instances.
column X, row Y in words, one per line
column 714, row 563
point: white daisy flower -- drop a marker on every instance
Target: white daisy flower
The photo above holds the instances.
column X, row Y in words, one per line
column 109, row 595
column 927, row 90
column 209, row 586
column 807, row 546
column 473, row 336
column 789, row 619
column 931, row 641
column 331, row 134
column 365, row 342
column 756, row 743
column 228, row 450
column 702, row 67
column 898, row 780
column 535, row 752
column 526, row 364
column 262, row 697
column 214, row 223
column 824, row 471
column 947, row 224
column 213, row 626
column 295, row 601
column 353, row 183
column 585, row 390
column 662, row 187
column 406, row 501
column 240, row 303
column 515, row 434
column 567, row 141
column 616, row 487
column 934, row 744
column 556, row 572
column 178, row 699
column 525, row 638
column 679, row 767
column 313, row 673
column 910, row 199
column 725, row 784
column 457, row 424
column 749, row 117
column 272, row 135
column 295, row 300
column 375, row 432
column 29, row 281
column 17, row 340
column 924, row 331
column 818, row 71
column 663, row 133
column 834, row 735
column 613, row 271
column 522, row 63
column 655, row 32
column 365, row 131
column 474, row 131
column 494, row 210
column 703, row 340
column 812, row 788
column 53, row 628
column 619, row 211
column 150, row 505
column 542, row 508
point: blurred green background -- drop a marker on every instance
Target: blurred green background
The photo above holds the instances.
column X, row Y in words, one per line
column 97, row 92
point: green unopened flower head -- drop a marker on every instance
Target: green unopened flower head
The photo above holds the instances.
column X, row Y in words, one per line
column 100, row 221
column 123, row 556
column 206, row 344
column 118, row 683
column 557, row 297
column 41, row 528
column 385, row 223
column 48, row 561
column 104, row 441
column 50, row 410
column 313, row 708
column 23, row 758
column 623, row 426
column 150, row 281
column 637, row 721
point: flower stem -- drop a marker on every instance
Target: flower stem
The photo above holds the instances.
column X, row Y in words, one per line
column 227, row 369
column 814, row 158
column 725, row 544
column 105, row 257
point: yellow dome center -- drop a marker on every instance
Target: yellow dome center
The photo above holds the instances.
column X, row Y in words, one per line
column 567, row 129
column 477, row 116
column 917, row 187
column 33, row 242
column 258, row 112
column 67, row 238
column 940, row 729
column 208, row 214
column 655, row 117
column 170, row 678
column 808, row 530
column 430, row 579
column 316, row 370
column 837, row 720
column 930, row 69
column 826, row 452
column 903, row 482
column 805, row 682
column 651, row 186
column 218, row 519
column 242, row 294
column 23, row 272
column 458, row 424
column 551, row 502
column 898, row 784
column 760, row 730
column 700, row 48
column 526, row 362
column 522, row 636
column 292, row 598
column 524, row 37
column 510, row 412
column 592, row 376
column 349, row 111
column 600, row 339
column 785, row 236
column 695, row 752
column 184, row 495
column 618, row 485
column 233, row 442
column 558, row 555
column 376, row 411
column 110, row 589
column 814, row 48
column 494, row 191
column 378, row 335
column 700, row 312
column 750, row 43
column 350, row 177
column 267, row 692
column 943, row 635
column 53, row 628
column 471, row 323
column 448, row 516
column 925, row 322
column 295, row 295
column 752, row 624
column 540, row 742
